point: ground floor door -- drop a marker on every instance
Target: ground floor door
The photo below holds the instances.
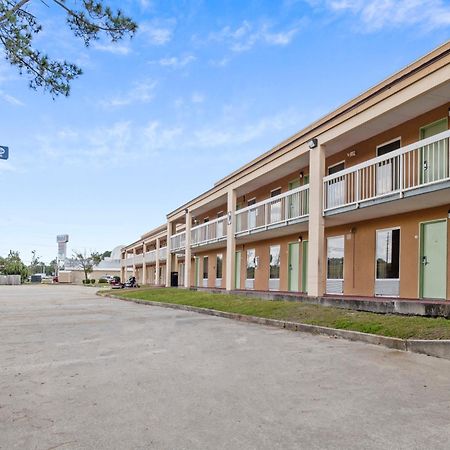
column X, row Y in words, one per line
column 305, row 266
column 433, row 259
column 237, row 270
column 293, row 266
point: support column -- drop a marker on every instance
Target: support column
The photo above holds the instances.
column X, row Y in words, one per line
column 134, row 262
column 316, row 228
column 169, row 254
column 157, row 262
column 123, row 267
column 144, row 267
column 230, row 262
column 187, row 252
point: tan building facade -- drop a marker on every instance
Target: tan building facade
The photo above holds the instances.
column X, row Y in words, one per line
column 356, row 204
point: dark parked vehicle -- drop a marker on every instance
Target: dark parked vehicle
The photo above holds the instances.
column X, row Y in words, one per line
column 130, row 283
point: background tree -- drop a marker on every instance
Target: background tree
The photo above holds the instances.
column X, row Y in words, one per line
column 50, row 269
column 86, row 261
column 13, row 265
column 36, row 265
column 106, row 254
column 88, row 20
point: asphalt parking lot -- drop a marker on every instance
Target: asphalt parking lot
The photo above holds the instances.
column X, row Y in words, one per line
column 83, row 372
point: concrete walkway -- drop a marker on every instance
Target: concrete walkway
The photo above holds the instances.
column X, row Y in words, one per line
column 82, row 372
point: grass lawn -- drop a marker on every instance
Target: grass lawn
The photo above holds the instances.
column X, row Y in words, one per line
column 384, row 325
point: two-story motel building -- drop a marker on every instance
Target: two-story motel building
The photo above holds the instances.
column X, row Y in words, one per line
column 356, row 204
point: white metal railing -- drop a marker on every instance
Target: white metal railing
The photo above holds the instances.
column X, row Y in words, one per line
column 212, row 231
column 132, row 260
column 163, row 253
column 178, row 241
column 420, row 164
column 150, row 256
column 278, row 210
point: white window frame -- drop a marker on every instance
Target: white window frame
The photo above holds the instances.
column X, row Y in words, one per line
column 341, row 280
column 334, row 165
column 399, row 261
column 387, row 143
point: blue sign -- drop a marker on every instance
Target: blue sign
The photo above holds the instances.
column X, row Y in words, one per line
column 4, row 152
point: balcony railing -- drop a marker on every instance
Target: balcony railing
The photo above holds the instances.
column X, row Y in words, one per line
column 280, row 210
column 213, row 231
column 163, row 253
column 178, row 242
column 132, row 260
column 423, row 163
column 150, row 257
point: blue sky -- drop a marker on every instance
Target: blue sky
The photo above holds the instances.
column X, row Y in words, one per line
column 204, row 87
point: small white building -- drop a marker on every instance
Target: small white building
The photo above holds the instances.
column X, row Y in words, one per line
column 73, row 273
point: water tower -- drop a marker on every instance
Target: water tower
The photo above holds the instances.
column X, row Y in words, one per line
column 62, row 240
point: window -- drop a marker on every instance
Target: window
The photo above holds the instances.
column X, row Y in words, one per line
column 219, row 226
column 275, row 192
column 275, row 207
column 219, row 265
column 336, row 188
column 336, row 168
column 251, row 263
column 388, row 147
column 205, row 267
column 335, row 258
column 387, row 170
column 274, row 262
column 388, row 254
column 252, row 213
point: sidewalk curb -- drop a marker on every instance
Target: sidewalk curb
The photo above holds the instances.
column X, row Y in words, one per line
column 436, row 348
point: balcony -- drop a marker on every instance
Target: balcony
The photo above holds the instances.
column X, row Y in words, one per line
column 418, row 168
column 132, row 260
column 150, row 257
column 285, row 209
column 178, row 242
column 209, row 232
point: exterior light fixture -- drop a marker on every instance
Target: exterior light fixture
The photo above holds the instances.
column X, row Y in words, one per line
column 186, row 211
column 229, row 217
column 300, row 175
column 312, row 143
column 300, row 239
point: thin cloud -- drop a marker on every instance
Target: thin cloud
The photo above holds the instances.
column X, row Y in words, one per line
column 141, row 92
column 375, row 15
column 116, row 49
column 247, row 35
column 125, row 142
column 175, row 61
column 157, row 33
column 8, row 98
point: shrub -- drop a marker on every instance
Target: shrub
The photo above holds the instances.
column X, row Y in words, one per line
column 102, row 281
column 85, row 281
column 92, row 281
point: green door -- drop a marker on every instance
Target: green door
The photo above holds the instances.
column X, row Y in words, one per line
column 237, row 270
column 433, row 259
column 434, row 157
column 305, row 266
column 294, row 261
